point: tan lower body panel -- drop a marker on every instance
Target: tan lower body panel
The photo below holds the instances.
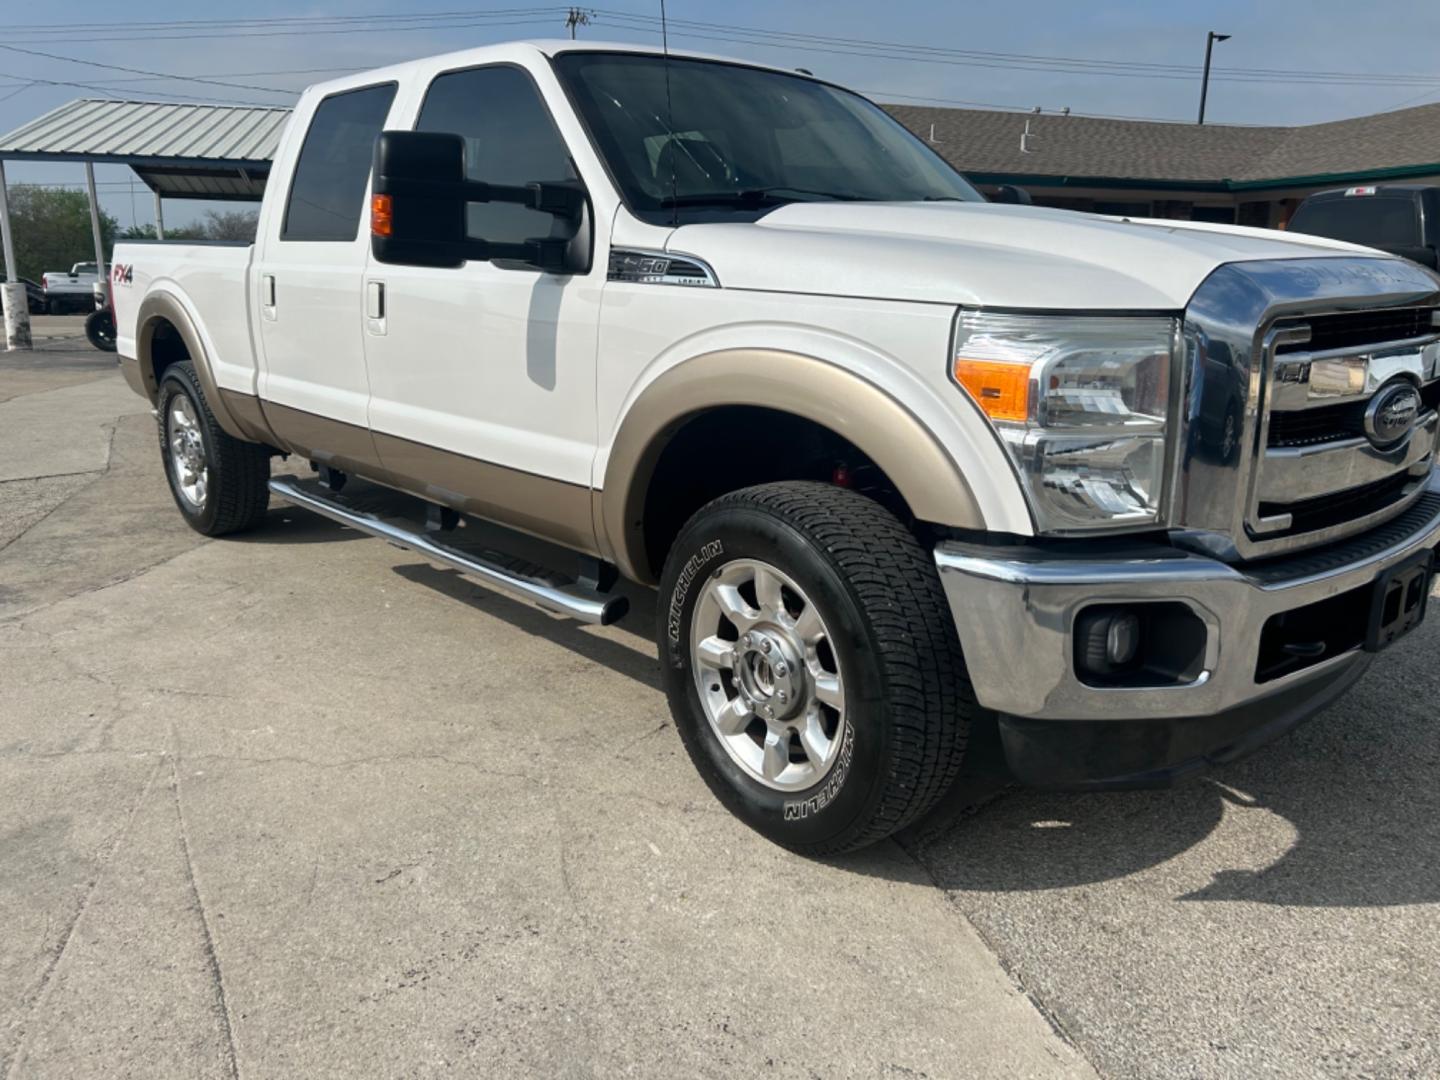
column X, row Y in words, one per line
column 134, row 378
column 248, row 416
column 539, row 505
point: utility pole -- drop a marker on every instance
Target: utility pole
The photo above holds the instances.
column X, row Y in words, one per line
column 577, row 17
column 1210, row 39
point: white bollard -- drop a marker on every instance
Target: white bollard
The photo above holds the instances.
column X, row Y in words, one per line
column 17, row 315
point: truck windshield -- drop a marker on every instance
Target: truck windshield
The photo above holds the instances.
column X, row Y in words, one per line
column 723, row 140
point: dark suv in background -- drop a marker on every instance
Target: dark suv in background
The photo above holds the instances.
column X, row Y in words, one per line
column 1403, row 219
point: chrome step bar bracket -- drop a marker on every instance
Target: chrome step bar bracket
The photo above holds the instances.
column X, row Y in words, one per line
column 575, row 601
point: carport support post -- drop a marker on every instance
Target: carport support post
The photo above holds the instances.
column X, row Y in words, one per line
column 12, row 294
column 159, row 218
column 95, row 230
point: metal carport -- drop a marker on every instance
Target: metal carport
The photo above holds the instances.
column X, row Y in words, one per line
column 179, row 151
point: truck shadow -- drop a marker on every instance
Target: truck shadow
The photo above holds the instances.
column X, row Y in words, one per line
column 605, row 647
column 286, row 524
column 1344, row 812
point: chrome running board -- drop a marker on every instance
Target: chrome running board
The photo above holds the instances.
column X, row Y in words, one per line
column 572, row 599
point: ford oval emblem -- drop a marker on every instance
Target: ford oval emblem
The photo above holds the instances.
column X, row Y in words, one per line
column 1391, row 414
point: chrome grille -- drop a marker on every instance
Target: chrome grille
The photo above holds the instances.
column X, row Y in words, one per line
column 1319, row 470
column 1281, row 448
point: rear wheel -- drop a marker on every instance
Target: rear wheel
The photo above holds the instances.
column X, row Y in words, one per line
column 812, row 665
column 218, row 481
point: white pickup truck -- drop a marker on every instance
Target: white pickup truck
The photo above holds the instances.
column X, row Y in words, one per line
column 1139, row 495
column 70, row 290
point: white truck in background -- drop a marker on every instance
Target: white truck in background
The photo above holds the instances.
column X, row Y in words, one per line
column 901, row 462
column 70, row 290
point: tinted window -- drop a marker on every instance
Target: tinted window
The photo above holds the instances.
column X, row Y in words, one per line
column 328, row 191
column 1374, row 220
column 509, row 139
column 696, row 139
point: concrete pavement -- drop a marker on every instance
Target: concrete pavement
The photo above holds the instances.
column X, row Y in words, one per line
column 302, row 805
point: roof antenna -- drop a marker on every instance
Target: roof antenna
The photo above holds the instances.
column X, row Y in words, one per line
column 669, row 119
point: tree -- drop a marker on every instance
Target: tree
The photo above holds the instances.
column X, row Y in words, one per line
column 215, row 225
column 51, row 227
column 172, row 232
column 230, row 225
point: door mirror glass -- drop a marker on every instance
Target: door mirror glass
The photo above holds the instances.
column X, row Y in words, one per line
column 418, row 209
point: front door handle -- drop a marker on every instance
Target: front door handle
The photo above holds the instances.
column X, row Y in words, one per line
column 267, row 296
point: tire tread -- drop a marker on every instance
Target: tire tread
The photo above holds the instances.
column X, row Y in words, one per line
column 898, row 590
column 240, row 470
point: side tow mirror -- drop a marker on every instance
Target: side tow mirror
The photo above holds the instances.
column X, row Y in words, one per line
column 1009, row 193
column 418, row 207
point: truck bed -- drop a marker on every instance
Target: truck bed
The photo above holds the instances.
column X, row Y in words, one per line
column 208, row 279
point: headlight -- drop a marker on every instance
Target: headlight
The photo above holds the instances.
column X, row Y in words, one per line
column 1081, row 406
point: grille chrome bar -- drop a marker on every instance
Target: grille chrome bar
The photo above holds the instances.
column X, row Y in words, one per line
column 1292, row 474
column 1309, row 380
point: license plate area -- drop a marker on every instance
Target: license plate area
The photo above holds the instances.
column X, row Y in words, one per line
column 1398, row 602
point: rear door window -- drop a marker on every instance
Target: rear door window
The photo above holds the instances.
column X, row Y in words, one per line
column 334, row 167
column 1374, row 220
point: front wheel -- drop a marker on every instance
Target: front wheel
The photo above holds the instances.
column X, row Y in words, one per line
column 219, row 482
column 812, row 665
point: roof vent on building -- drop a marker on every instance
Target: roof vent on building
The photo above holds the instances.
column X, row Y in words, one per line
column 1027, row 134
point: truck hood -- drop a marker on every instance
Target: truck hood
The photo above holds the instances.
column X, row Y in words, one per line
column 983, row 254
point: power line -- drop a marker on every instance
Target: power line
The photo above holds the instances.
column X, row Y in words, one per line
column 531, row 17
column 1134, row 66
column 702, row 30
column 143, row 71
column 970, row 58
column 304, row 20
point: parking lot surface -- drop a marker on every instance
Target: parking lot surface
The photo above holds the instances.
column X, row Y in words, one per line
column 300, row 804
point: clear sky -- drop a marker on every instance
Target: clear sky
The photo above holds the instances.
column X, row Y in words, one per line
column 1135, row 58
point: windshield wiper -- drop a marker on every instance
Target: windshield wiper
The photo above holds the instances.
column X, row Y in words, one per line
column 774, row 195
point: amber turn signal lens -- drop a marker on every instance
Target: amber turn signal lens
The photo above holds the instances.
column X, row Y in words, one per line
column 1001, row 390
column 381, row 216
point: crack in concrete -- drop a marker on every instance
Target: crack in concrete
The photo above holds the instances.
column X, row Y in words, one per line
column 52, row 476
column 212, row 958
column 47, row 981
column 376, row 759
column 98, row 476
column 93, row 590
column 1040, row 1006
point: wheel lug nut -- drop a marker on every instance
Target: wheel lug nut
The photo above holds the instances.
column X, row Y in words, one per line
column 783, row 696
column 780, row 669
column 765, row 646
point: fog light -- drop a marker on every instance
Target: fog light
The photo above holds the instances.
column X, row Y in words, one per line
column 1107, row 639
column 1162, row 643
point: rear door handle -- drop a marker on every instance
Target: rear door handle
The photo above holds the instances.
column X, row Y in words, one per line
column 375, row 307
column 267, row 296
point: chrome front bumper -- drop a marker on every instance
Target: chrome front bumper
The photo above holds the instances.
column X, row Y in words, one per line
column 1014, row 609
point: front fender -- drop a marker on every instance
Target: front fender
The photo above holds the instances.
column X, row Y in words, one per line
column 883, row 429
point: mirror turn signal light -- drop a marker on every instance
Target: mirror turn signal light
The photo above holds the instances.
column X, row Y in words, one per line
column 1001, row 390
column 382, row 217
